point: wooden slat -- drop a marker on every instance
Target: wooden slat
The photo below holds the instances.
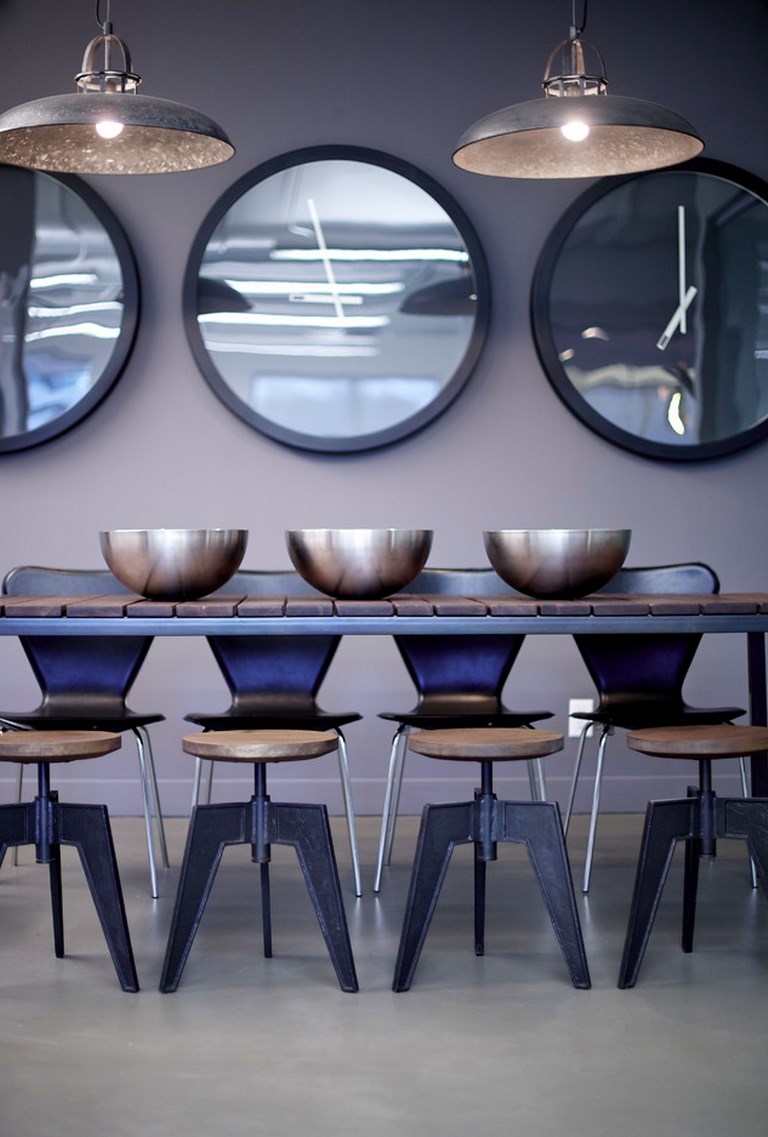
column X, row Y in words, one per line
column 364, row 608
column 458, row 606
column 163, row 609
column 512, row 606
column 565, row 608
column 253, row 607
column 208, row 608
column 729, row 605
column 412, row 606
column 675, row 605
column 308, row 606
column 45, row 606
column 97, row 607
column 619, row 606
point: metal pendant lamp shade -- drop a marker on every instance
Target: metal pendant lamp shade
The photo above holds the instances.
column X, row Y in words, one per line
column 576, row 130
column 106, row 128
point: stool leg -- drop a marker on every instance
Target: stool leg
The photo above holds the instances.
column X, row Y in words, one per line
column 211, row 829
column 307, row 828
column 666, row 823
column 17, row 826
column 87, row 827
column 538, row 826
column 747, row 818
column 480, row 880
column 266, row 909
column 442, row 827
column 690, row 883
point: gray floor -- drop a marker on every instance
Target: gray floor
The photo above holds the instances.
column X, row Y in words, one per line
column 502, row 1043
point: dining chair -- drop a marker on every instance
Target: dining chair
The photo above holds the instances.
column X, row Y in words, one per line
column 85, row 681
column 273, row 683
column 459, row 682
column 639, row 679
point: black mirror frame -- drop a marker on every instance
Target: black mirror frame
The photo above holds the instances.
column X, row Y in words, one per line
column 128, row 327
column 375, row 439
column 547, row 352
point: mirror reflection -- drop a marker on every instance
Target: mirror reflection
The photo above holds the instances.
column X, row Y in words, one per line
column 68, row 304
column 657, row 316
column 336, row 300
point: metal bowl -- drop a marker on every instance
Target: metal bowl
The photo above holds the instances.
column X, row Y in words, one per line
column 173, row 564
column 557, row 563
column 358, row 564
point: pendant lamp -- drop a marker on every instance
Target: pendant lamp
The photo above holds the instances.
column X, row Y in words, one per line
column 576, row 130
column 105, row 127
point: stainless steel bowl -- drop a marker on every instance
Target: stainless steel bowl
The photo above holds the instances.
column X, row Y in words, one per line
column 557, row 563
column 358, row 563
column 173, row 564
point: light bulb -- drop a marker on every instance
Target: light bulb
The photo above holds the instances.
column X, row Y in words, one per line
column 108, row 128
column 575, row 131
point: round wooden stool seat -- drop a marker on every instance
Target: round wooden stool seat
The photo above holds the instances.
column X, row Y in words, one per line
column 56, row 745
column 718, row 740
column 486, row 743
column 260, row 745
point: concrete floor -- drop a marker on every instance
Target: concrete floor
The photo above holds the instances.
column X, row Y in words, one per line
column 503, row 1043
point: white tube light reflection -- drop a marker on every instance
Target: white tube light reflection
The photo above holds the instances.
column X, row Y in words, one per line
column 63, row 278
column 289, row 287
column 246, row 319
column 454, row 255
column 95, row 331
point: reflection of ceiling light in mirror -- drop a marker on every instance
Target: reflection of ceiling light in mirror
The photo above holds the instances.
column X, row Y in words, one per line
column 455, row 255
column 73, row 310
column 258, row 318
column 595, row 334
column 288, row 287
column 319, row 350
column 63, row 278
column 95, row 331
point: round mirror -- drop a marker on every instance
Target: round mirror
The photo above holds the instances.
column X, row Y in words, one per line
column 649, row 311
column 69, row 300
column 336, row 299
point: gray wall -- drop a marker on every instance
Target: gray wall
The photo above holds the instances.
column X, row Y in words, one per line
column 406, row 78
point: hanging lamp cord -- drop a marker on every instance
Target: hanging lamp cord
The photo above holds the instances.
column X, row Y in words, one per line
column 577, row 26
column 106, row 24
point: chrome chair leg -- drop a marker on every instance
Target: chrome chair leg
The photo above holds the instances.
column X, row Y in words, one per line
column 575, row 776
column 349, row 809
column 745, row 792
column 201, row 765
column 391, row 801
column 536, row 780
column 607, row 731
column 151, row 803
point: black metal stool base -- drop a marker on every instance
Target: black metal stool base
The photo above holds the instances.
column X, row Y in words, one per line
column 698, row 820
column 259, row 823
column 484, row 822
column 48, row 824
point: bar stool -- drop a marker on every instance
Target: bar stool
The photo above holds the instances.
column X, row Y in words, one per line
column 48, row 823
column 698, row 819
column 484, row 822
column 259, row 823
